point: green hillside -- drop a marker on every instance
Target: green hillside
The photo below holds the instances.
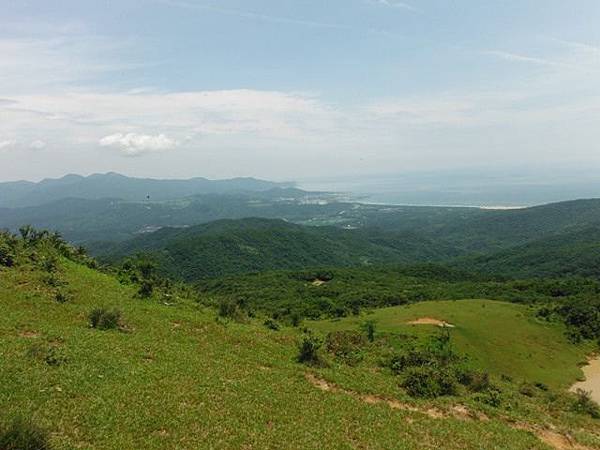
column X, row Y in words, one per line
column 507, row 339
column 251, row 245
column 570, row 253
column 168, row 375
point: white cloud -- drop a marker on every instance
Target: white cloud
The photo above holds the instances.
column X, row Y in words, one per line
column 37, row 144
column 133, row 144
column 7, row 144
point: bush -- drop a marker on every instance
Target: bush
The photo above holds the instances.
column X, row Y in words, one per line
column 104, row 319
column 428, row 382
column 475, row 381
column 346, row 345
column 295, row 319
column 585, row 405
column 61, row 297
column 271, row 324
column 528, row 390
column 309, row 350
column 230, row 309
column 146, row 289
column 49, row 264
column 7, row 255
column 492, row 397
column 369, row 328
column 412, row 358
column 23, row 435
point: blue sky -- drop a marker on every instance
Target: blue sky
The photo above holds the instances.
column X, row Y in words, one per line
column 294, row 89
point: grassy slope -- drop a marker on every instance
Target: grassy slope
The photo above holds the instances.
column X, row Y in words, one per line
column 180, row 380
column 502, row 338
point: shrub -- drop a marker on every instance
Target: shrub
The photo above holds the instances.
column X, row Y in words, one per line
column 428, row 382
column 346, row 345
column 369, row 328
column 231, row 309
column 492, row 397
column 585, row 405
column 413, row 358
column 7, row 255
column 271, row 324
column 527, row 390
column 23, row 435
column 104, row 319
column 295, row 319
column 146, row 289
column 61, row 297
column 309, row 350
column 475, row 381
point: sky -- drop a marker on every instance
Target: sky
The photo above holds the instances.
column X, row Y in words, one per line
column 297, row 89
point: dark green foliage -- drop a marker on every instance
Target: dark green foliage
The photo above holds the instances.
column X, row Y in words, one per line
column 585, row 405
column 583, row 317
column 8, row 253
column 369, row 328
column 295, row 319
column 288, row 294
column 434, row 369
column 146, row 289
column 346, row 345
column 474, row 380
column 309, row 350
column 233, row 309
column 104, row 319
column 61, row 297
column 271, row 324
column 251, row 245
column 22, row 434
column 491, row 397
column 40, row 247
column 430, row 382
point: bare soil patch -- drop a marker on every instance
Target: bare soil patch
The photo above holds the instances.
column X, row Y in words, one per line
column 431, row 321
column 592, row 379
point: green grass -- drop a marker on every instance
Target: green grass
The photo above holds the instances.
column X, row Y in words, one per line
column 502, row 338
column 175, row 378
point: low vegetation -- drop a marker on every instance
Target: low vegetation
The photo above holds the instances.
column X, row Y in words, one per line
column 251, row 379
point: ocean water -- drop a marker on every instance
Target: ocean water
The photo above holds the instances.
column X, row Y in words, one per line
column 461, row 189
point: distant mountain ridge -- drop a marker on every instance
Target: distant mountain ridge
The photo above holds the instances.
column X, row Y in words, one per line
column 114, row 185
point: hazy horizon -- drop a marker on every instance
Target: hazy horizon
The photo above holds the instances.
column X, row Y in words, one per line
column 492, row 189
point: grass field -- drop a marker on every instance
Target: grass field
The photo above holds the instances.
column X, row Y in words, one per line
column 502, row 338
column 175, row 378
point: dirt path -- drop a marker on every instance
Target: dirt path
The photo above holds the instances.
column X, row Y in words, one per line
column 550, row 437
column 592, row 379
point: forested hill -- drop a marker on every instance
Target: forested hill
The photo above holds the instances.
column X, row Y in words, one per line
column 114, row 185
column 566, row 254
column 488, row 230
column 248, row 245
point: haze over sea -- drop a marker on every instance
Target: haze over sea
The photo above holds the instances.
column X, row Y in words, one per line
column 489, row 189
